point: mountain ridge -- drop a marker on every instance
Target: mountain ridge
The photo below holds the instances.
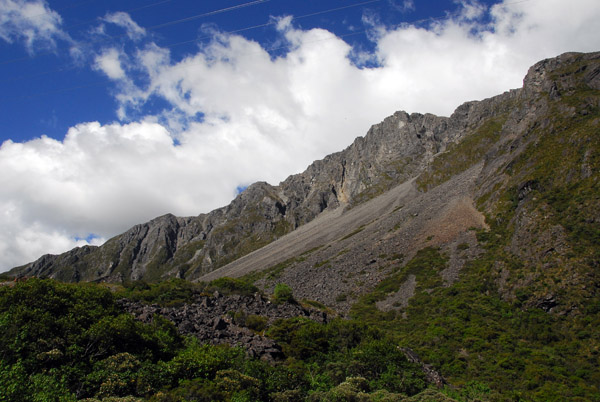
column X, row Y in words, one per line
column 400, row 148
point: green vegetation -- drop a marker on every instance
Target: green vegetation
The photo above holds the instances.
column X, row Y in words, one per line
column 256, row 323
column 314, row 304
column 62, row 342
column 283, row 294
column 229, row 286
column 426, row 266
column 520, row 323
column 468, row 332
column 324, row 264
column 492, row 324
column 349, row 235
column 176, row 292
column 67, row 342
column 331, row 353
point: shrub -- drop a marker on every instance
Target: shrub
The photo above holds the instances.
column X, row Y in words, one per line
column 254, row 322
column 283, row 294
column 232, row 286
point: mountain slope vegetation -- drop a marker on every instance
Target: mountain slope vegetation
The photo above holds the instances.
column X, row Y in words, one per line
column 471, row 241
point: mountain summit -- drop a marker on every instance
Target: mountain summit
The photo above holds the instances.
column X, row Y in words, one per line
column 524, row 162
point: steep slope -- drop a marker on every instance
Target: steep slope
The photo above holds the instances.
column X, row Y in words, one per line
column 392, row 152
column 364, row 245
column 522, row 314
column 482, row 256
column 481, row 136
column 529, row 170
column 488, row 263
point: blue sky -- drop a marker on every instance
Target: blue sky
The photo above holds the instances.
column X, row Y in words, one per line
column 64, row 90
column 114, row 112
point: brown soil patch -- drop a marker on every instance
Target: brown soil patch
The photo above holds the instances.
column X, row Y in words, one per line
column 457, row 217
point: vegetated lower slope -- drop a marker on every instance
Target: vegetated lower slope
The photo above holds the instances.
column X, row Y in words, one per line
column 68, row 342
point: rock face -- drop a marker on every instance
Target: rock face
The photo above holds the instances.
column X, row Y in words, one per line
column 527, row 160
column 401, row 148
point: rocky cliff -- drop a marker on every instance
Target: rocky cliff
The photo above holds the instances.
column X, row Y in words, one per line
column 455, row 160
column 517, row 194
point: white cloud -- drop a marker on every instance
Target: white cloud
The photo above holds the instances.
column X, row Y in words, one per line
column 404, row 5
column 122, row 19
column 110, row 64
column 240, row 115
column 32, row 22
column 472, row 9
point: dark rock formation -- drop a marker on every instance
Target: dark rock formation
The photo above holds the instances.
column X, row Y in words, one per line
column 220, row 319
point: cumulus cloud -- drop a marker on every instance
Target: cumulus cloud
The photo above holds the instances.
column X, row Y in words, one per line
column 239, row 114
column 32, row 22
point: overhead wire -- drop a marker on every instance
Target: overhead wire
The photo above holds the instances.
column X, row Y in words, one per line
column 194, row 17
column 214, row 12
column 270, row 23
column 206, row 37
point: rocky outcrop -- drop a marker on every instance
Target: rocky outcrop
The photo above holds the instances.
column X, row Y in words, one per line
column 221, row 319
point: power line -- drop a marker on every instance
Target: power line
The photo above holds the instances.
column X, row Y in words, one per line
column 214, row 12
column 199, row 39
column 414, row 22
column 271, row 23
column 194, row 17
column 191, row 18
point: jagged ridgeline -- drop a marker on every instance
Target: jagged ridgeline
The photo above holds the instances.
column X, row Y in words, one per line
column 498, row 155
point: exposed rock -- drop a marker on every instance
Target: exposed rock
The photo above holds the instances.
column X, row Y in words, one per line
column 215, row 320
column 432, row 375
column 392, row 152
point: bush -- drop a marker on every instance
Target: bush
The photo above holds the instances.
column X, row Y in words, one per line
column 254, row 322
column 229, row 286
column 283, row 294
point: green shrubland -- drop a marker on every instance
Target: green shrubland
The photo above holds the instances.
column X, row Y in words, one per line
column 66, row 342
